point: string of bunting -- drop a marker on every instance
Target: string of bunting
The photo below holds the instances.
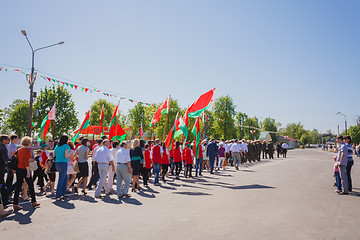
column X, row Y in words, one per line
column 73, row 86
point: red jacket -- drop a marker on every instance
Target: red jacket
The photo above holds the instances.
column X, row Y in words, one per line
column 165, row 158
column 188, row 157
column 156, row 154
column 147, row 159
column 177, row 155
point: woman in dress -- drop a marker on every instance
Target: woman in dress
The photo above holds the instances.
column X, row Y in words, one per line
column 136, row 156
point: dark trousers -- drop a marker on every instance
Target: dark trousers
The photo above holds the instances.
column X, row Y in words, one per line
column 211, row 162
column 278, row 153
column 172, row 165
column 145, row 174
column 348, row 173
column 40, row 175
column 94, row 175
column 9, row 178
column 164, row 168
column 284, row 152
column 338, row 181
column 20, row 176
column 188, row 170
column 3, row 189
column 177, row 168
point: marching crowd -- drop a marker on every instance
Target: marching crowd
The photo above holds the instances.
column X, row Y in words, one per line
column 126, row 162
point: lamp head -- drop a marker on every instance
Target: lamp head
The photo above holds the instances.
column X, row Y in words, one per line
column 23, row 32
column 60, row 43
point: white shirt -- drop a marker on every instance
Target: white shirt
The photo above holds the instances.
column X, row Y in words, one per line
column 95, row 150
column 103, row 155
column 244, row 147
column 284, row 146
column 113, row 151
column 236, row 147
column 122, row 156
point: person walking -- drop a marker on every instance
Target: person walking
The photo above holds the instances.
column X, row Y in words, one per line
column 236, row 153
column 148, row 162
column 165, row 162
column 136, row 155
column 342, row 163
column 188, row 160
column 199, row 160
column 177, row 159
column 23, row 172
column 157, row 153
column 221, row 155
column 123, row 171
column 350, row 161
column 70, row 170
column 82, row 156
column 212, row 152
column 11, row 148
column 111, row 174
column 284, row 148
column 103, row 158
column 4, row 158
column 62, row 154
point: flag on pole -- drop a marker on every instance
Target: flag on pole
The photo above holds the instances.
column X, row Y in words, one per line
column 204, row 117
column 169, row 141
column 115, row 130
column 84, row 125
column 164, row 108
column 204, row 102
column 46, row 123
column 196, row 132
column 183, row 125
column 102, row 120
column 141, row 132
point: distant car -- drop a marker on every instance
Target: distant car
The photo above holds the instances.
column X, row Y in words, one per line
column 290, row 147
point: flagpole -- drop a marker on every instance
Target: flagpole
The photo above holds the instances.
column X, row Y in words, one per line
column 116, row 120
column 53, row 130
column 166, row 118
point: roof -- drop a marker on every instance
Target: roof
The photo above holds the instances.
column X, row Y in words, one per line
column 264, row 136
column 289, row 138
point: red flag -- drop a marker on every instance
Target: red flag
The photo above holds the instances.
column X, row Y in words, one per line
column 164, row 108
column 169, row 141
column 204, row 102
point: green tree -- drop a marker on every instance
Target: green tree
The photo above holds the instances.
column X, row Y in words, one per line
column 96, row 108
column 295, row 130
column 354, row 133
column 224, row 112
column 269, row 124
column 65, row 118
column 305, row 138
column 315, row 136
column 18, row 117
column 251, row 133
column 240, row 119
column 137, row 117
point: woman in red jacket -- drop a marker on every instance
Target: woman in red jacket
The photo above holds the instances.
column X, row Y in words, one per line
column 177, row 159
column 188, row 160
column 165, row 161
column 148, row 162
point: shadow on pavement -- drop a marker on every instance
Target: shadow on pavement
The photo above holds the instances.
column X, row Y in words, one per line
column 87, row 198
column 355, row 194
column 107, row 199
column 253, row 186
column 149, row 189
column 144, row 194
column 167, row 187
column 246, row 170
column 64, row 204
column 131, row 201
column 192, row 193
column 20, row 217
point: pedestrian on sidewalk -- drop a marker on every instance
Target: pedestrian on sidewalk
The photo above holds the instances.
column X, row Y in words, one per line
column 123, row 170
column 350, row 162
column 342, row 160
column 62, row 154
column 136, row 155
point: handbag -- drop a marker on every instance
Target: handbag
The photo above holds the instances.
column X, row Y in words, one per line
column 33, row 166
column 76, row 166
column 13, row 162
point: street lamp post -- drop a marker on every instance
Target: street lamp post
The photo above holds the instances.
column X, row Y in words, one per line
column 31, row 79
column 339, row 113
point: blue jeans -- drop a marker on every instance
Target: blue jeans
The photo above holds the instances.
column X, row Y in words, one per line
column 338, row 181
column 63, row 177
column 199, row 165
column 157, row 167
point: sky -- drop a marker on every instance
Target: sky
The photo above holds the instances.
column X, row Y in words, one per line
column 294, row 61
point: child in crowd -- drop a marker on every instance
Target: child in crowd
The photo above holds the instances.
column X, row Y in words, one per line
column 337, row 176
column 221, row 156
column 38, row 173
column 50, row 171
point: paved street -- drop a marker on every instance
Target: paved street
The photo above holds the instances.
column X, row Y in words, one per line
column 290, row 198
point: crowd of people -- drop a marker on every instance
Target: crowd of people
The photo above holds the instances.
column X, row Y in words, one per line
column 125, row 162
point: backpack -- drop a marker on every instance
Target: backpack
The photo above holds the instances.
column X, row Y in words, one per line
column 13, row 162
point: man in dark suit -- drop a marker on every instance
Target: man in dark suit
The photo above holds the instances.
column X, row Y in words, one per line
column 4, row 158
column 212, row 153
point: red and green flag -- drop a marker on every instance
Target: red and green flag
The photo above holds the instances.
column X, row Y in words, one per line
column 196, row 132
column 163, row 109
column 183, row 125
column 115, row 130
column 141, row 132
column 204, row 102
column 46, row 123
column 102, row 120
column 169, row 141
column 84, row 125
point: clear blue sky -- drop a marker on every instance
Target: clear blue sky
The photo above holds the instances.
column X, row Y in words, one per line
column 295, row 61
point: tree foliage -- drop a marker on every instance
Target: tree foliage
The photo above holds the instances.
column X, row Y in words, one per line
column 295, row 130
column 224, row 109
column 354, row 133
column 65, row 118
column 18, row 117
column 96, row 108
column 252, row 133
column 269, row 124
column 305, row 138
column 240, row 119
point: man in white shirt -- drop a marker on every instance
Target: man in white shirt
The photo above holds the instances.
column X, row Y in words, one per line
column 123, row 170
column 103, row 157
column 115, row 148
column 236, row 153
column 284, row 146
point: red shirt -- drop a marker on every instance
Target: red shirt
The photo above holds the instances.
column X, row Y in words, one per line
column 183, row 156
column 156, row 154
column 172, row 152
column 177, row 155
column 147, row 159
column 188, row 157
column 44, row 157
column 77, row 145
column 165, row 158
column 200, row 152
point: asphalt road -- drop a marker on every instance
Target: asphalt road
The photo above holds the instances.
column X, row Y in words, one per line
column 290, row 198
